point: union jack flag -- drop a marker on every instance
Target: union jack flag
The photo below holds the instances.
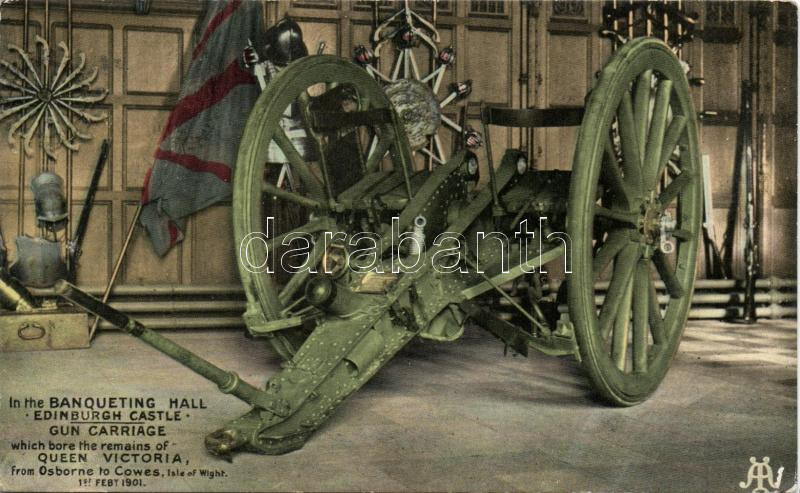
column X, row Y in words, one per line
column 197, row 150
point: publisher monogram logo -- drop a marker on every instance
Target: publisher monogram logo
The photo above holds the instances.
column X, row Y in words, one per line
column 761, row 478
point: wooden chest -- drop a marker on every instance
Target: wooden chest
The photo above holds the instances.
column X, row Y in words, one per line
column 44, row 329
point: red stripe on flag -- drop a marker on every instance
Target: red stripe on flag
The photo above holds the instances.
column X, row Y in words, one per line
column 194, row 163
column 214, row 24
column 210, row 93
column 173, row 233
column 146, row 186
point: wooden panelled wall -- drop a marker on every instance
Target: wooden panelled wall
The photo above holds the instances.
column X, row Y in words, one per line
column 544, row 54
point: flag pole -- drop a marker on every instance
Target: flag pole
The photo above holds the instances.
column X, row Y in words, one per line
column 117, row 266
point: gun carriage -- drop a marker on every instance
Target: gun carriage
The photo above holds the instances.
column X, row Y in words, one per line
column 628, row 213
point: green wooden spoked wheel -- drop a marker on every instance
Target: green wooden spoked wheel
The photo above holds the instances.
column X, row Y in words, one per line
column 634, row 217
column 293, row 188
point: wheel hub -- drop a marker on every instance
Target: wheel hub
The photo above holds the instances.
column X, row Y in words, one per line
column 655, row 228
column 45, row 95
column 650, row 221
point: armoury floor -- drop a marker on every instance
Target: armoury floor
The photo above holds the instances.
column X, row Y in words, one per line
column 456, row 416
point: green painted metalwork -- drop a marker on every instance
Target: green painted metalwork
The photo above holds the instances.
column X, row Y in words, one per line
column 638, row 152
column 513, row 273
column 336, row 317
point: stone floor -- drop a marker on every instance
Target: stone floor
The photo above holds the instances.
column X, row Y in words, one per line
column 456, row 416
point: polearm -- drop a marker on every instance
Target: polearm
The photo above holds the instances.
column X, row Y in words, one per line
column 74, row 246
column 715, row 266
column 117, row 266
column 750, row 245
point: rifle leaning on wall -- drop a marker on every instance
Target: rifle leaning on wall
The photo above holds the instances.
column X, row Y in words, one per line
column 74, row 246
column 715, row 266
column 751, row 254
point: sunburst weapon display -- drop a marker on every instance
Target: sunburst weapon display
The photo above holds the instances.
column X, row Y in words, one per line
column 54, row 101
column 412, row 92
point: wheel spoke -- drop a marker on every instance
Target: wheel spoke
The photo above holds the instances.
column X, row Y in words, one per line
column 380, row 150
column 623, row 270
column 608, row 251
column 628, row 218
column 640, row 314
column 671, row 138
column 655, row 138
column 683, row 234
column 641, row 106
column 611, row 175
column 313, row 226
column 298, row 166
column 674, row 189
column 631, row 157
column 654, row 312
column 619, row 342
column 304, row 101
column 288, row 196
column 674, row 287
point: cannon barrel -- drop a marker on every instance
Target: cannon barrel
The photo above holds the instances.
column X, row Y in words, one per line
column 227, row 381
